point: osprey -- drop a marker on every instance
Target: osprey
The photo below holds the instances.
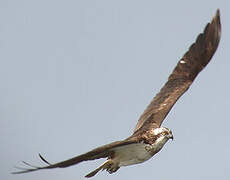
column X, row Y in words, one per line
column 149, row 137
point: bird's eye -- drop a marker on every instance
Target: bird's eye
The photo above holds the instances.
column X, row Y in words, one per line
column 164, row 133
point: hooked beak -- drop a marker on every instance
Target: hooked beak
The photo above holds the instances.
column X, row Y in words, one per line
column 171, row 137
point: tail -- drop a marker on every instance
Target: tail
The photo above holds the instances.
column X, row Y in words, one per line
column 104, row 166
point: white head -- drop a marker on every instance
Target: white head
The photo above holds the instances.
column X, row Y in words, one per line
column 164, row 132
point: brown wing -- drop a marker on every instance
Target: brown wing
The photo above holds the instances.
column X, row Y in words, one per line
column 100, row 152
column 197, row 57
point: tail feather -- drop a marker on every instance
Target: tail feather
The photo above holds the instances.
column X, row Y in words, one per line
column 104, row 166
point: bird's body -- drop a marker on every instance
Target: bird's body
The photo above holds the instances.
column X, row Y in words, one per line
column 132, row 154
column 149, row 137
column 137, row 152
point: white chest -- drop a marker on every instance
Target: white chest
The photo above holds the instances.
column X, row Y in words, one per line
column 137, row 153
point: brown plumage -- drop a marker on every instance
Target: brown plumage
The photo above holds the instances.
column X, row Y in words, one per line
column 193, row 61
column 148, row 138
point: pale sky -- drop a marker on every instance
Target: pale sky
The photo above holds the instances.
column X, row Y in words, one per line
column 78, row 74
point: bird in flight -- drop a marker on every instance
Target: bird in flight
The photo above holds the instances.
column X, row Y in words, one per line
column 149, row 137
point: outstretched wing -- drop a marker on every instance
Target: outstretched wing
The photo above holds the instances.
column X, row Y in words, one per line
column 100, row 152
column 194, row 60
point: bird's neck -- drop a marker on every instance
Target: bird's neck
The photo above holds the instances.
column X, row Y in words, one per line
column 157, row 145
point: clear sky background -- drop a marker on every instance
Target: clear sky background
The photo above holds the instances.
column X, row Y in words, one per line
column 75, row 75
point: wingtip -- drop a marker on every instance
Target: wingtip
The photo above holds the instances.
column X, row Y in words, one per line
column 217, row 15
column 216, row 20
column 43, row 159
column 217, row 12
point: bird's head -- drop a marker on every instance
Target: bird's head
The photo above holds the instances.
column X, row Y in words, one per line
column 164, row 132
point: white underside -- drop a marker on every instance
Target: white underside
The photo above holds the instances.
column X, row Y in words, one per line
column 137, row 153
column 131, row 154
